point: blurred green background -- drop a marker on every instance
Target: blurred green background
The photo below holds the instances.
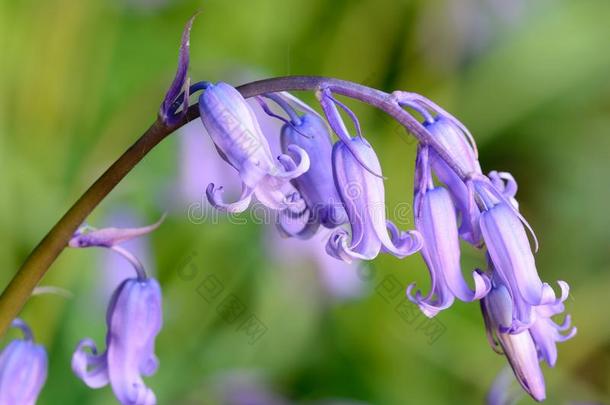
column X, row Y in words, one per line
column 81, row 80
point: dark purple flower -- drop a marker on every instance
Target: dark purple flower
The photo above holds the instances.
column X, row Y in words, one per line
column 23, row 369
column 363, row 197
column 435, row 219
column 133, row 319
column 316, row 186
column 233, row 127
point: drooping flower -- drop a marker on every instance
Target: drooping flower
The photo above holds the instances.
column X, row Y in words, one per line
column 233, row 127
column 133, row 319
column 509, row 250
column 357, row 176
column 454, row 141
column 435, row 219
column 316, row 186
column 23, row 369
column 519, row 348
column 363, row 197
column 525, row 348
column 458, row 144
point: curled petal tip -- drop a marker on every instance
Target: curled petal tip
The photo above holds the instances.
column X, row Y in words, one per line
column 214, row 195
column 294, row 169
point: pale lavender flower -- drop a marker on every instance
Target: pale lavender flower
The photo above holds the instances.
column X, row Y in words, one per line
column 233, row 127
column 358, row 180
column 363, row 197
column 519, row 348
column 455, row 140
column 546, row 333
column 435, row 219
column 23, row 369
column 525, row 348
column 134, row 319
column 457, row 143
column 509, row 250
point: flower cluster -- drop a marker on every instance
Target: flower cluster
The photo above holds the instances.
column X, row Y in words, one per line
column 517, row 306
column 320, row 185
column 339, row 185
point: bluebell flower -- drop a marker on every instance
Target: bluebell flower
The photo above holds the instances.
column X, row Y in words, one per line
column 435, row 219
column 463, row 153
column 316, row 186
column 525, row 348
column 363, row 196
column 133, row 320
column 233, row 127
column 457, row 143
column 359, row 182
column 23, row 369
column 503, row 230
column 519, row 348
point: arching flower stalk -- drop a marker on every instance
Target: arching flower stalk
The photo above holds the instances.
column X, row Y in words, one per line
column 303, row 183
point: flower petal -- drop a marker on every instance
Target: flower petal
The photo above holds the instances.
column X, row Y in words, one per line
column 90, row 366
column 214, row 195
